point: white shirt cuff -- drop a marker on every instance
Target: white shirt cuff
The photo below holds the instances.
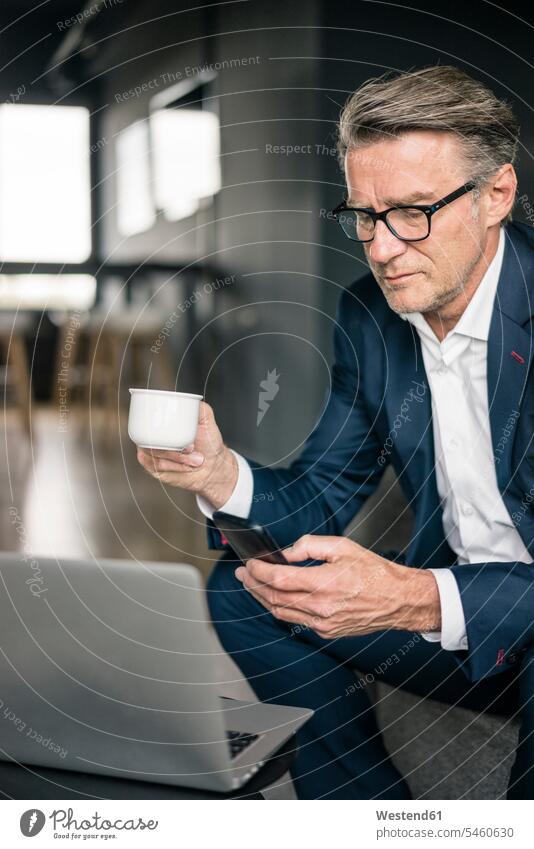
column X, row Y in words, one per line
column 240, row 501
column 453, row 634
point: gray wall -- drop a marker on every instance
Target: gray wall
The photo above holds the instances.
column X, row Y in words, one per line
column 266, row 225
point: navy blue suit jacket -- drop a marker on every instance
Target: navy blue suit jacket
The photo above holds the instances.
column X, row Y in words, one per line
column 379, row 412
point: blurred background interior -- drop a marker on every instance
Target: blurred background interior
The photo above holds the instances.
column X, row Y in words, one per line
column 155, row 230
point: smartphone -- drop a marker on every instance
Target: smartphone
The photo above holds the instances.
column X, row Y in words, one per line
column 248, row 539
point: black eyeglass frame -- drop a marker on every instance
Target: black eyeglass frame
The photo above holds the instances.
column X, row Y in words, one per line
column 382, row 216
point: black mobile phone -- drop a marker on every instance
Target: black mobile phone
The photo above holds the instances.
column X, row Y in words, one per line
column 248, row 539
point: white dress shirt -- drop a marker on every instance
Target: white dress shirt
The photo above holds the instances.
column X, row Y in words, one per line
column 240, row 501
column 476, row 522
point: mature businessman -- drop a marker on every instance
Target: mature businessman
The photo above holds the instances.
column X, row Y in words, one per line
column 432, row 374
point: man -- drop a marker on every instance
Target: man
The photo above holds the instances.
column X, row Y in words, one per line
column 432, row 374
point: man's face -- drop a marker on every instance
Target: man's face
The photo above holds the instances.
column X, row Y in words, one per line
column 418, row 276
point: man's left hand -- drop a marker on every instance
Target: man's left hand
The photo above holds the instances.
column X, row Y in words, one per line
column 353, row 592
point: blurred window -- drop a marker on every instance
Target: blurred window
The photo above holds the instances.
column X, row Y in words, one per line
column 45, row 210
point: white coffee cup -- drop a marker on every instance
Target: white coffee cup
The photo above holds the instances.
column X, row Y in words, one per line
column 163, row 420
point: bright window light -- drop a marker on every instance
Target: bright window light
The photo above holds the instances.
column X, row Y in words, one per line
column 45, row 213
column 47, row 291
column 186, row 159
column 135, row 207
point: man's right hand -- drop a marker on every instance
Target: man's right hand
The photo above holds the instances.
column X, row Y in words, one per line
column 206, row 467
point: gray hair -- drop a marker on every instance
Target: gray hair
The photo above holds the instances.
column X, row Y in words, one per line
column 439, row 97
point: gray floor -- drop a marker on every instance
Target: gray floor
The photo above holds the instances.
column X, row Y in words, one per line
column 81, row 492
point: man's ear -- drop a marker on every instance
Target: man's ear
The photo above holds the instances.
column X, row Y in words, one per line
column 501, row 194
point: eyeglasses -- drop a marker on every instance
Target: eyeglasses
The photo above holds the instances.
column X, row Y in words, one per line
column 409, row 223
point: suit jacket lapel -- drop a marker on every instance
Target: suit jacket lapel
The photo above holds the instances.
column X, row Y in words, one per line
column 408, row 405
column 409, row 416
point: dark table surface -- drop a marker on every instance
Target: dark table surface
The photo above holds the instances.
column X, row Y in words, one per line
column 18, row 781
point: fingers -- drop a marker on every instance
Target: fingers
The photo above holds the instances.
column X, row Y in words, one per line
column 284, row 578
column 300, row 588
column 274, row 600
column 315, row 547
column 304, row 603
column 187, row 456
column 295, row 617
column 169, row 461
column 206, row 415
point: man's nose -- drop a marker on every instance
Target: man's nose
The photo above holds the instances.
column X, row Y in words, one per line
column 385, row 245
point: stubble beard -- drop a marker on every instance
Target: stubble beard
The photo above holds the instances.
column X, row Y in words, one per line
column 439, row 299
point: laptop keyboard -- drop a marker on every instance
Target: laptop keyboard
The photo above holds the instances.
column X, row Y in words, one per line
column 239, row 740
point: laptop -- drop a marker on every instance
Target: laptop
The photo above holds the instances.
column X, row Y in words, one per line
column 110, row 667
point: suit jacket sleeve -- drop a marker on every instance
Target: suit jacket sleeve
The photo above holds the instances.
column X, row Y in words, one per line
column 498, row 603
column 338, row 469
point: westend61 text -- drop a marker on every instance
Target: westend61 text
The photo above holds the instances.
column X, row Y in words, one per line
column 408, row 815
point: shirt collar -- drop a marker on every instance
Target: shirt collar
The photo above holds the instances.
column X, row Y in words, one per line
column 476, row 318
